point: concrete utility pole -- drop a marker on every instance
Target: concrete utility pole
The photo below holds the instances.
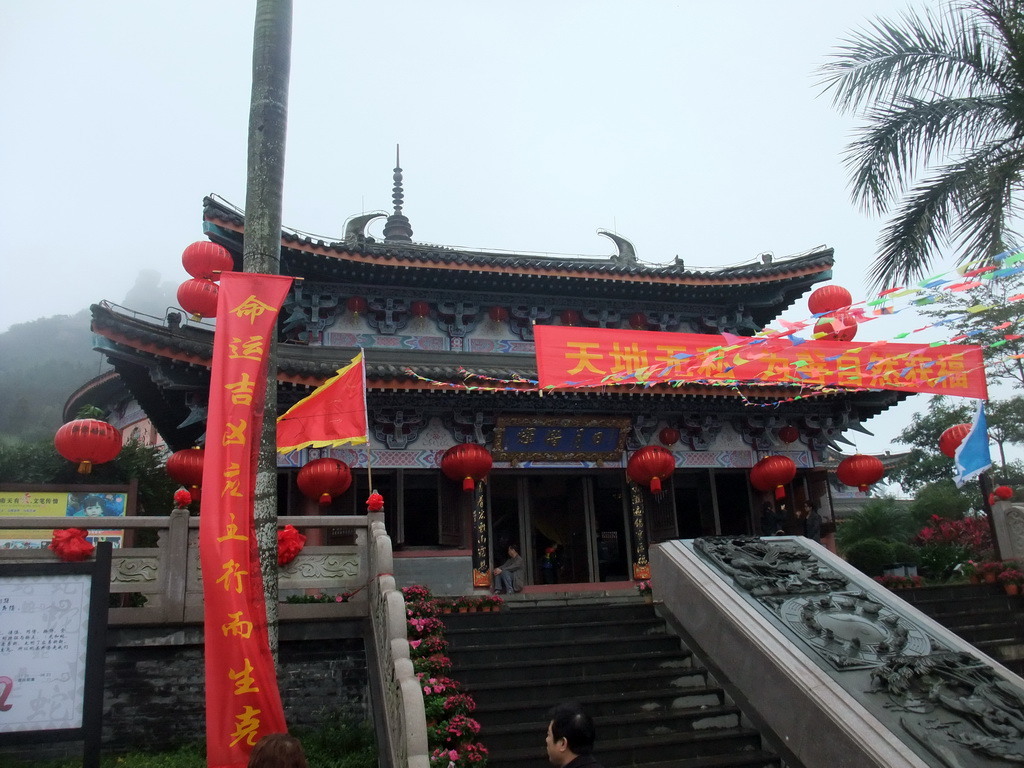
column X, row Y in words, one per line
column 261, row 251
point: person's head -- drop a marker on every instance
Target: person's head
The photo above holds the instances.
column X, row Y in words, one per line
column 513, row 549
column 92, row 506
column 810, row 507
column 277, row 750
column 570, row 733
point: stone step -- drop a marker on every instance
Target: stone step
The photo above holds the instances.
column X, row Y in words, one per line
column 548, row 614
column 533, row 670
column 581, row 649
column 519, row 634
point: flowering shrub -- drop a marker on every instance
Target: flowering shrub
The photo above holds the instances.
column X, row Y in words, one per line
column 428, row 646
column 423, row 609
column 991, row 568
column 459, row 704
column 491, row 601
column 972, row 533
column 1011, row 576
column 423, row 627
column 644, row 588
column 322, row 597
column 900, row 582
column 415, row 593
column 434, row 664
column 471, row 754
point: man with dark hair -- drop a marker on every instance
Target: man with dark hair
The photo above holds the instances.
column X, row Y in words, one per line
column 570, row 737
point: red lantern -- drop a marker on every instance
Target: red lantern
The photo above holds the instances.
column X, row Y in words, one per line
column 669, row 436
column 950, row 440
column 570, row 317
column 841, row 326
column 651, row 465
column 88, row 442
column 498, row 314
column 420, row 309
column 1003, row 492
column 323, row 478
column 186, row 467
column 467, row 462
column 207, row 260
column 828, row 299
column 198, row 297
column 356, row 304
column 638, row 321
column 773, row 472
column 789, row 434
column 860, row 470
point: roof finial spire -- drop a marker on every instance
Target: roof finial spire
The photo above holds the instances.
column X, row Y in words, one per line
column 397, row 228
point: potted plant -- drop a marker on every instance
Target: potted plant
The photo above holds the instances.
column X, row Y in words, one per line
column 644, row 588
column 1011, row 579
column 969, row 570
column 989, row 571
column 491, row 603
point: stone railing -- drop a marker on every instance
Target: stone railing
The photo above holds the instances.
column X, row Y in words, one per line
column 400, row 692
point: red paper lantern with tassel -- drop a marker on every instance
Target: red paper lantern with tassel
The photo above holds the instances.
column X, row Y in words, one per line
column 829, row 298
column 638, row 321
column 773, row 472
column 198, row 297
column 356, row 305
column 950, row 440
column 467, row 462
column 650, row 466
column 669, row 436
column 87, row 442
column 860, row 471
column 186, row 467
column 498, row 314
column 322, row 479
column 569, row 317
column 420, row 309
column 841, row 326
column 789, row 434
column 207, row 260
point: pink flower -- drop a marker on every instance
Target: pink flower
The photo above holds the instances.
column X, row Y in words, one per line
column 415, row 643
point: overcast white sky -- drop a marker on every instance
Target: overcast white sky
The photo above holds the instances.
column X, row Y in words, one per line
column 691, row 128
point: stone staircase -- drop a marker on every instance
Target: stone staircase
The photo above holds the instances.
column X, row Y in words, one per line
column 653, row 704
column 982, row 614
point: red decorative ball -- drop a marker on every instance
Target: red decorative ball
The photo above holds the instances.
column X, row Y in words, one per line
column 498, row 314
column 182, row 498
column 356, row 304
column 789, row 434
column 773, row 472
column 420, row 309
column 1003, row 492
column 323, row 478
column 70, row 545
column 950, row 440
column 860, row 470
column 207, row 260
column 374, row 502
column 841, row 326
column 467, row 462
column 289, row 543
column 829, row 298
column 669, row 436
column 87, row 442
column 198, row 297
column 650, row 466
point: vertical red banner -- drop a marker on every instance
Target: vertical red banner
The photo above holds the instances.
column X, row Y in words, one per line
column 243, row 703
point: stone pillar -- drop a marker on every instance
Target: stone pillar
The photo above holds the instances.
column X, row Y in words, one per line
column 1008, row 521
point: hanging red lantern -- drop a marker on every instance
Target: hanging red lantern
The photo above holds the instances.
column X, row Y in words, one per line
column 467, row 462
column 498, row 314
column 420, row 309
column 950, row 440
column 323, row 478
column 88, row 442
column 207, row 260
column 789, row 434
column 198, row 297
column 356, row 305
column 638, row 321
column 841, row 326
column 669, row 436
column 186, row 467
column 773, row 472
column 829, row 298
column 1003, row 492
column 570, row 317
column 650, row 465
column 860, row 470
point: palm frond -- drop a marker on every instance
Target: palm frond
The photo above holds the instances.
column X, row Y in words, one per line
column 987, row 207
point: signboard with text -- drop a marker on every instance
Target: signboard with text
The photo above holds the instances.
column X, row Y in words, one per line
column 101, row 502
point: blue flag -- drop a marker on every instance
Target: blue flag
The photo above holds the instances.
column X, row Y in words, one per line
column 972, row 456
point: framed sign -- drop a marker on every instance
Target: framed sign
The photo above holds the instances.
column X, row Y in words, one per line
column 53, row 625
column 105, row 503
column 560, row 438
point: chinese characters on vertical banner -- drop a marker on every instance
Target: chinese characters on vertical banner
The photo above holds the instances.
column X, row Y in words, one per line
column 242, row 699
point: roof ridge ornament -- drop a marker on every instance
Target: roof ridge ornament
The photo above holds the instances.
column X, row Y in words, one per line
column 397, row 228
column 627, row 253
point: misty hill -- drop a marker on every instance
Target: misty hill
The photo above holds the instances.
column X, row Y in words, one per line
column 43, row 361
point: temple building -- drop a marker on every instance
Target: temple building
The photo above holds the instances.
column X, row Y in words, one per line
column 448, row 336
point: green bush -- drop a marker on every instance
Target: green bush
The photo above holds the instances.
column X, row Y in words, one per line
column 880, row 519
column 938, row 561
column 340, row 743
column 870, row 556
column 905, row 553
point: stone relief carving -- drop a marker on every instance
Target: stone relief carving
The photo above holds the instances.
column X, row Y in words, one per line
column 397, row 428
column 342, row 568
column 523, row 316
column 457, row 318
column 640, row 431
column 701, row 429
column 472, row 426
column 132, row 570
column 387, row 316
column 1015, row 526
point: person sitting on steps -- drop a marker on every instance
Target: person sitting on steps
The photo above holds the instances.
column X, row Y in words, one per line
column 509, row 577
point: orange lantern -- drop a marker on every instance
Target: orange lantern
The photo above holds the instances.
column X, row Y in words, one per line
column 860, row 470
column 198, row 297
column 950, row 440
column 650, row 465
column 87, row 442
column 773, row 472
column 467, row 462
column 829, row 298
column 207, row 260
column 323, row 478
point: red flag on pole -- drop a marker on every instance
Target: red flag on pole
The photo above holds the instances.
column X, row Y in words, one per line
column 333, row 415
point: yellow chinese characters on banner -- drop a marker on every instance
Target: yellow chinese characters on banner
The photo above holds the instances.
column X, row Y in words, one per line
column 242, row 699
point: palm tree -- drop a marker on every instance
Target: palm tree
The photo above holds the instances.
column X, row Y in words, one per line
column 942, row 146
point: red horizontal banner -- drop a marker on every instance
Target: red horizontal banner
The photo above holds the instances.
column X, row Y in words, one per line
column 593, row 357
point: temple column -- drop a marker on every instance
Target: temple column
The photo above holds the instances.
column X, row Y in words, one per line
column 641, row 565
column 481, row 568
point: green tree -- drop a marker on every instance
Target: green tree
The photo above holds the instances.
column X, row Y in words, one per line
column 941, row 498
column 882, row 519
column 942, row 144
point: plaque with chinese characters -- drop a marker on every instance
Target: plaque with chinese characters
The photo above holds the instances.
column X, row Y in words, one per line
column 524, row 438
